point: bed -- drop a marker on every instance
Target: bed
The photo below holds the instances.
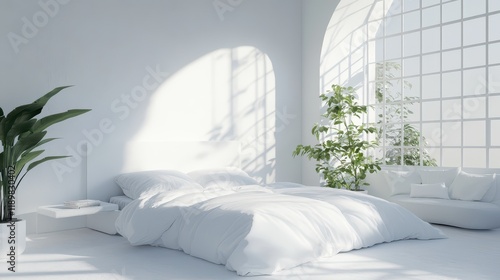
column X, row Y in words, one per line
column 224, row 216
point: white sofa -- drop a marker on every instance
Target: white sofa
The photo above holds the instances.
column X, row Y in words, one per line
column 466, row 198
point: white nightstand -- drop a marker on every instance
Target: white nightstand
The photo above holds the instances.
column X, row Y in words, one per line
column 100, row 218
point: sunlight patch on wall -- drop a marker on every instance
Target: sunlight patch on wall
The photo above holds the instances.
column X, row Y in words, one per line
column 226, row 95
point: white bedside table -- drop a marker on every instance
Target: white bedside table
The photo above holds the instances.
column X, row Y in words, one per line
column 100, row 218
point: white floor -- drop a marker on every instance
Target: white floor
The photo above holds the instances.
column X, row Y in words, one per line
column 87, row 254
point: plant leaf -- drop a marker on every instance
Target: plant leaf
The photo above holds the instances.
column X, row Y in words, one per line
column 35, row 163
column 25, row 158
column 47, row 121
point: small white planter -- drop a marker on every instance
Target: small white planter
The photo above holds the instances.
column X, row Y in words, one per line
column 12, row 240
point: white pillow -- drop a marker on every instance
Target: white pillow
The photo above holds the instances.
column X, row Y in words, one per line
column 438, row 190
column 400, row 181
column 471, row 186
column 137, row 184
column 222, row 178
column 438, row 176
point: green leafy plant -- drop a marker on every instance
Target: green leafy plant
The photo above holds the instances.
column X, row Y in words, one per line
column 21, row 135
column 341, row 154
column 402, row 142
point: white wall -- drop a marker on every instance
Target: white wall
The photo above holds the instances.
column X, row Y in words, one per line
column 316, row 16
column 148, row 70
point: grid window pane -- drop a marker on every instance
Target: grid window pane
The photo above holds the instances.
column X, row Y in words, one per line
column 432, row 111
column 474, row 7
column 427, row 3
column 409, row 5
column 452, row 134
column 411, row 43
column 392, row 25
column 431, row 40
column 452, row 109
column 431, row 63
column 494, row 105
column 411, row 88
column 452, row 11
column 452, row 158
column 393, row 47
column 452, row 84
column 494, row 79
column 474, row 133
column 431, row 86
column 474, row 31
column 474, row 107
column 431, row 16
column 474, row 81
column 494, row 53
column 494, row 20
column 411, row 66
column 452, row 60
column 431, row 132
column 411, row 21
column 493, row 5
column 494, row 158
column 452, row 36
column 474, row 158
column 495, row 133
column 475, row 56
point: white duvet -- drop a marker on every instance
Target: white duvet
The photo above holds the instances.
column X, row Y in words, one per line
column 255, row 230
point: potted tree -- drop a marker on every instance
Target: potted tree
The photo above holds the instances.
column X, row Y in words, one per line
column 341, row 154
column 21, row 135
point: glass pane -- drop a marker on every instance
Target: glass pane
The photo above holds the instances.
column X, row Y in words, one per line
column 393, row 113
column 393, row 47
column 494, row 20
column 494, row 53
column 452, row 84
column 411, row 21
column 495, row 133
column 431, row 133
column 474, row 81
column 452, row 60
column 452, row 134
column 395, row 7
column 474, row 158
column 474, row 7
column 431, row 63
column 411, row 66
column 431, row 16
column 411, row 88
column 494, row 158
column 474, row 31
column 452, row 157
column 452, row 109
column 411, row 43
column 392, row 25
column 452, row 36
column 431, row 40
column 494, row 81
column 474, row 133
column 475, row 56
column 494, row 105
column 431, row 86
column 494, row 5
column 411, row 112
column 474, row 107
column 426, row 3
column 409, row 5
column 452, row 10
column 431, row 111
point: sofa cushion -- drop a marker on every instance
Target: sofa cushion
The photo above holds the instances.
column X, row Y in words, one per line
column 464, row 214
column 468, row 186
column 400, row 182
column 437, row 176
column 437, row 190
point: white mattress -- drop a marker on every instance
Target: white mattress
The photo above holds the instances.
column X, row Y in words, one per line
column 121, row 200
